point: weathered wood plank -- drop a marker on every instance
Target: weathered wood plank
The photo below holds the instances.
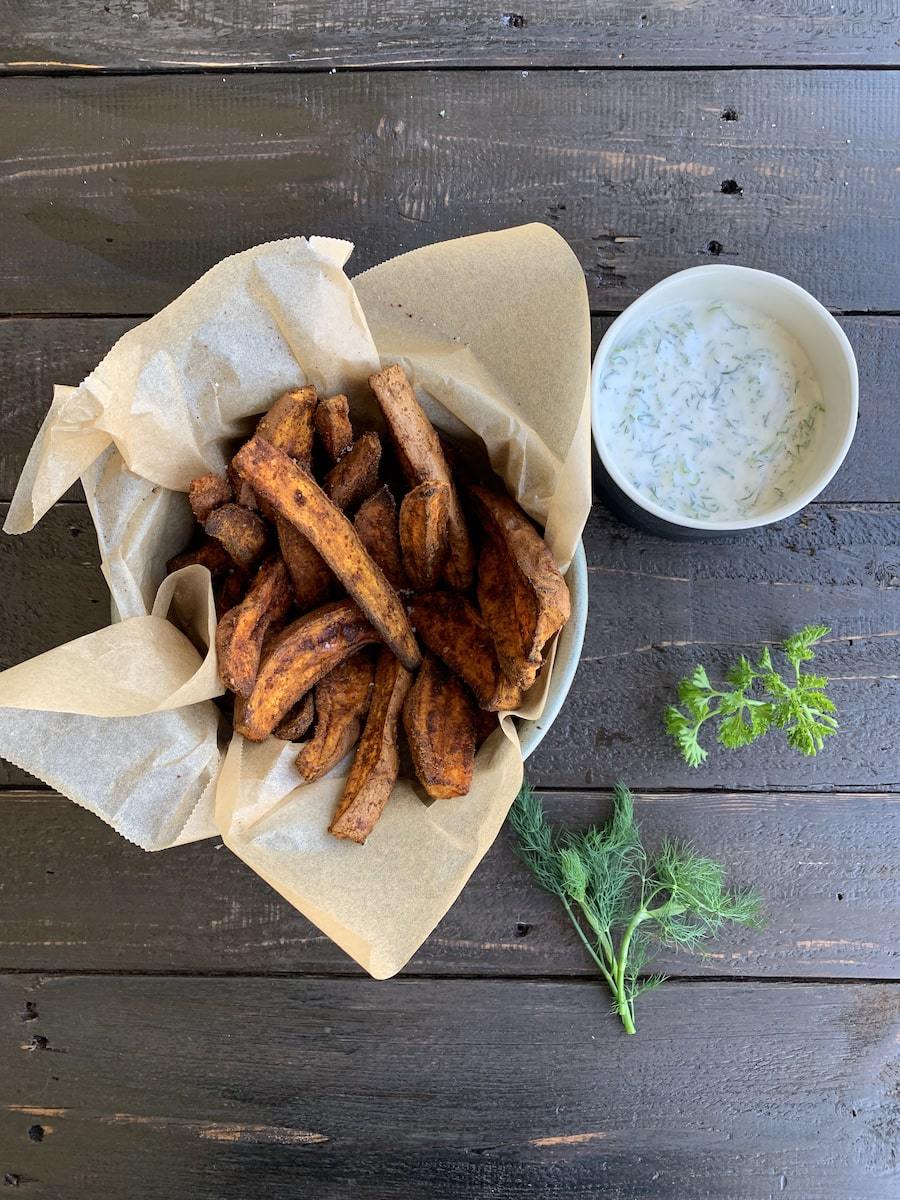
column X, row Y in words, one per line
column 832, row 564
column 829, row 868
column 179, row 35
column 35, row 355
column 437, row 1089
column 51, row 589
column 656, row 609
column 120, row 191
column 37, row 352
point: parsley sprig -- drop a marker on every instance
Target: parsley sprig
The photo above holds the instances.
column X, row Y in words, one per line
column 755, row 700
column 623, row 903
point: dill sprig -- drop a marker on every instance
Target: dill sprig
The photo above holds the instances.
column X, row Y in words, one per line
column 754, row 700
column 622, row 903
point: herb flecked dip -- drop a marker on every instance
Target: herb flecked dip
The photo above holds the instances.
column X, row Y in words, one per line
column 712, row 410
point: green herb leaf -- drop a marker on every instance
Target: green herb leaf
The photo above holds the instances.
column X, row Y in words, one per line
column 753, row 700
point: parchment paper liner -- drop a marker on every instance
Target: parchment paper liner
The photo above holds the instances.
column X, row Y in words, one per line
column 495, row 333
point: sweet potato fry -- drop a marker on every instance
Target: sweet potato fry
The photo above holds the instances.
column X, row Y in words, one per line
column 377, row 762
column 376, row 525
column 521, row 592
column 422, row 458
column 333, row 426
column 298, row 499
column 341, row 702
column 485, row 724
column 452, row 629
column 439, row 719
column 209, row 554
column 208, row 492
column 310, row 574
column 240, row 633
column 424, row 514
column 355, row 477
column 289, row 424
column 243, row 492
column 229, row 591
column 295, row 725
column 241, row 532
column 302, row 653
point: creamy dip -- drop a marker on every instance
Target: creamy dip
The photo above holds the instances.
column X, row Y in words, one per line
column 712, row 410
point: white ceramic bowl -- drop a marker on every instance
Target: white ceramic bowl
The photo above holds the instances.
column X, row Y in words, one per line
column 824, row 342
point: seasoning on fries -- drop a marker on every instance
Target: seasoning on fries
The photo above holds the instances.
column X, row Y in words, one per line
column 320, row 640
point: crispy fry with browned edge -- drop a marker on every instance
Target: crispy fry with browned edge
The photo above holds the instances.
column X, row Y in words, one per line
column 310, row 574
column 299, row 499
column 424, row 514
column 240, row 633
column 485, row 724
column 341, row 702
column 289, row 424
column 439, row 719
column 302, row 653
column 521, row 592
column 209, row 554
column 208, row 492
column 295, row 725
column 333, row 426
column 377, row 762
column 452, row 629
column 240, row 531
column 376, row 525
column 243, row 492
column 422, row 458
column 229, row 591
column 355, row 477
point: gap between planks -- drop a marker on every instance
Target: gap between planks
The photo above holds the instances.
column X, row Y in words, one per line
column 50, row 69
column 556, row 978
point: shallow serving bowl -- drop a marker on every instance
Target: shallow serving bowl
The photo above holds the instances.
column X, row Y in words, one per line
column 826, row 347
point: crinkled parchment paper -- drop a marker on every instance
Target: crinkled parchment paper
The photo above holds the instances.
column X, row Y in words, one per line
column 495, row 333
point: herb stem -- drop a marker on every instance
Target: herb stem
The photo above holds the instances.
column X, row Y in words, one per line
column 587, row 945
column 623, row 1005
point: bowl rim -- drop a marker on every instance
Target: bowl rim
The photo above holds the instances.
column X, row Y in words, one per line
column 568, row 656
column 789, row 507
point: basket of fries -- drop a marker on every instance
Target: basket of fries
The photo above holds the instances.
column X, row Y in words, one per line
column 341, row 523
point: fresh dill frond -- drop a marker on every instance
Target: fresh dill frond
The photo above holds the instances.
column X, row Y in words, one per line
column 753, row 700
column 537, row 846
column 622, row 904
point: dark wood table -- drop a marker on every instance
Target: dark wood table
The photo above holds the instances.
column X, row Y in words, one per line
column 170, row 1027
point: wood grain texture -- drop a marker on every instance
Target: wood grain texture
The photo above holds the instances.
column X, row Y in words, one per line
column 221, row 34
column 829, row 867
column 51, row 589
column 839, row 565
column 118, row 192
column 656, row 609
column 432, row 1090
column 38, row 352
